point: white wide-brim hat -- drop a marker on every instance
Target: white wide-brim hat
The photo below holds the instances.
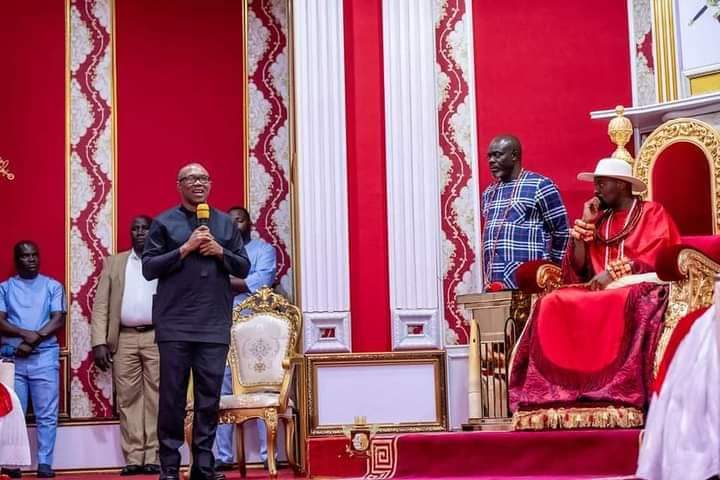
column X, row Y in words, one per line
column 614, row 168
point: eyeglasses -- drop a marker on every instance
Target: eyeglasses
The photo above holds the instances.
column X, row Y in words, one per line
column 192, row 179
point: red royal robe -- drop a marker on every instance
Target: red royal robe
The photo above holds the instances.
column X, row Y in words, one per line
column 585, row 348
column 5, row 401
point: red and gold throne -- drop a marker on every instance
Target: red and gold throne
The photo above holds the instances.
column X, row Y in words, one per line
column 680, row 163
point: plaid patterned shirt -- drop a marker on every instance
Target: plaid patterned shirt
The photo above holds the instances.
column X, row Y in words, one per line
column 523, row 219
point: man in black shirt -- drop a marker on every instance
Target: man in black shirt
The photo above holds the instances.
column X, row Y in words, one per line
column 192, row 312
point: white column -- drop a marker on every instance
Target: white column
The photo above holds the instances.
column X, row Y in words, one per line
column 412, row 173
column 322, row 174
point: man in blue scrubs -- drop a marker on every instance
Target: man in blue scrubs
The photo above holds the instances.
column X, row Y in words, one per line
column 263, row 267
column 32, row 309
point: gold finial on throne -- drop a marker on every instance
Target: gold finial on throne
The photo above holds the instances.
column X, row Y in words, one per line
column 620, row 130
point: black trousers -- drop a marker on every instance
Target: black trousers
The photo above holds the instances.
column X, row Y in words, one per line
column 207, row 363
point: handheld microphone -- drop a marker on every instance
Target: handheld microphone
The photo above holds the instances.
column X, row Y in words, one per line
column 203, row 214
column 203, row 217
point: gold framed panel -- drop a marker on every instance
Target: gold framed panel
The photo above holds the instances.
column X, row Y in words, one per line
column 689, row 130
column 705, row 83
column 436, row 358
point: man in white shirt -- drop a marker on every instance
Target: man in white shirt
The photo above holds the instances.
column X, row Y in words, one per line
column 123, row 338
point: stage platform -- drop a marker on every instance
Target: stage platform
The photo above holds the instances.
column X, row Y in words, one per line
column 565, row 455
column 528, row 455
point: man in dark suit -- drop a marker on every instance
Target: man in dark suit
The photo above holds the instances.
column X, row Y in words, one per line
column 192, row 315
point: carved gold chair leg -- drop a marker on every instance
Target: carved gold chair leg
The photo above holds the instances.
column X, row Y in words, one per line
column 290, row 441
column 271, row 422
column 240, row 449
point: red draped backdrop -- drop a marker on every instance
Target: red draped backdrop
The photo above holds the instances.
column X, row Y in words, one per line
column 32, row 131
column 367, row 202
column 180, row 77
column 540, row 68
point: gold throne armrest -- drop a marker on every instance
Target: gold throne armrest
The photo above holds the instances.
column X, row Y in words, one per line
column 692, row 276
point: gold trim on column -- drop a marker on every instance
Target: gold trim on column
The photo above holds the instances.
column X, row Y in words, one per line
column 246, row 106
column 292, row 174
column 665, row 51
column 294, row 249
column 68, row 173
column 113, row 129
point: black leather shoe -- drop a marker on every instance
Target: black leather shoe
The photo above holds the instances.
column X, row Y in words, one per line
column 132, row 470
column 215, row 476
column 169, row 473
column 11, row 472
column 221, row 466
column 151, row 469
column 45, row 471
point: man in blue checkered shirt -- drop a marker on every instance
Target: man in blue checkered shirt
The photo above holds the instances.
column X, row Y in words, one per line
column 524, row 217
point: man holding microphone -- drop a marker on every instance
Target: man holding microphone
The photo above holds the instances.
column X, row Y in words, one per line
column 192, row 250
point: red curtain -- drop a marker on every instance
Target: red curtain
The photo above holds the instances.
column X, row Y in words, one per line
column 32, row 131
column 367, row 202
column 540, row 68
column 180, row 77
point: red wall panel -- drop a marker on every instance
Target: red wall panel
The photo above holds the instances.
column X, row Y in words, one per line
column 32, row 131
column 367, row 203
column 540, row 68
column 180, row 77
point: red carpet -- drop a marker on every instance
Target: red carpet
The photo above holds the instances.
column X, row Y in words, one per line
column 535, row 455
column 252, row 473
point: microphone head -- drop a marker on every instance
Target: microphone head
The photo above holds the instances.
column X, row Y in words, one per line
column 203, row 212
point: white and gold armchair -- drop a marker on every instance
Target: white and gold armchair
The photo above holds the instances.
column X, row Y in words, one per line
column 262, row 358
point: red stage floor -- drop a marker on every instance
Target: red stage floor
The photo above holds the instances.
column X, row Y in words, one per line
column 536, row 455
column 585, row 454
column 252, row 474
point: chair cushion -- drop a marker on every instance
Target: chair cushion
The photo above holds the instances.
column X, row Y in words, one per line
column 260, row 345
column 251, row 400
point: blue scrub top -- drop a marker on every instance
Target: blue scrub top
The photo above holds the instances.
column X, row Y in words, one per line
column 29, row 303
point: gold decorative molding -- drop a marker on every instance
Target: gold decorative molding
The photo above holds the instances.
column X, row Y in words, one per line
column 690, row 130
column 665, row 50
column 693, row 292
column 5, row 169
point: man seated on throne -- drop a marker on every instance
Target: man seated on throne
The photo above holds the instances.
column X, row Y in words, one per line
column 584, row 359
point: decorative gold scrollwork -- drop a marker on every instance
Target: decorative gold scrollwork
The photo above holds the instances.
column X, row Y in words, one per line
column 548, row 277
column 5, row 169
column 693, row 292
